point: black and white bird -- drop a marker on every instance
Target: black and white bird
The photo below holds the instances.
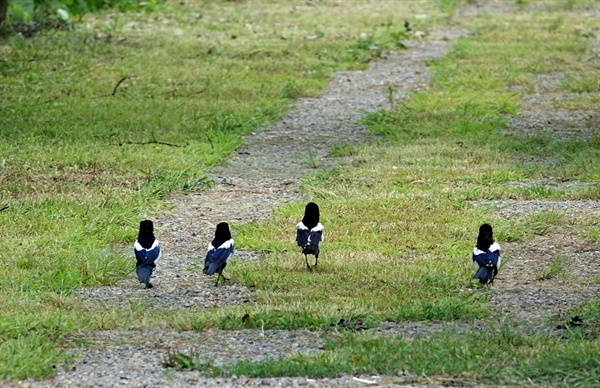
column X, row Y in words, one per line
column 219, row 251
column 147, row 252
column 309, row 233
column 486, row 255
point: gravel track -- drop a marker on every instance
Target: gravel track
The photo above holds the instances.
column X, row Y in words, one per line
column 265, row 173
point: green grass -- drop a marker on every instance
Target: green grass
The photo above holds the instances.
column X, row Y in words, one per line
column 399, row 223
column 492, row 356
column 102, row 121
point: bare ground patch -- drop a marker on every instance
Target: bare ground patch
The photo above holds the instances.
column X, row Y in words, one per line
column 547, row 275
column 517, row 209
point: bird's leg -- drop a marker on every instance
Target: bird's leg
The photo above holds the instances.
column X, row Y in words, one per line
column 218, row 277
column 316, row 260
column 307, row 265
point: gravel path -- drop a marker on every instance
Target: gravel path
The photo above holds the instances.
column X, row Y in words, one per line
column 267, row 172
column 524, row 290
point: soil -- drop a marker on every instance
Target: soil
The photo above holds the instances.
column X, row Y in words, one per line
column 267, row 172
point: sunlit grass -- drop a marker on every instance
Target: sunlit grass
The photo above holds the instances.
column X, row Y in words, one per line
column 464, row 358
column 100, row 122
column 399, row 225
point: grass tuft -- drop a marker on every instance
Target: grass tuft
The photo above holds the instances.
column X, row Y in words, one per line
column 556, row 269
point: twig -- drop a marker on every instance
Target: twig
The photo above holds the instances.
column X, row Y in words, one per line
column 120, row 82
column 201, row 90
column 172, row 92
column 150, row 142
column 198, row 92
column 80, row 18
column 212, row 146
column 48, row 101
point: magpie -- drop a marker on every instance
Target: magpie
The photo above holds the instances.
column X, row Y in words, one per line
column 147, row 252
column 486, row 255
column 309, row 233
column 219, row 251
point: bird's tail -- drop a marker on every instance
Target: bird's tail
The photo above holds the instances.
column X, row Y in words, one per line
column 485, row 274
column 211, row 268
column 144, row 271
column 311, row 249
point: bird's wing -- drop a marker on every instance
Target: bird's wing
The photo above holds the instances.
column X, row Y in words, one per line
column 302, row 237
column 217, row 258
column 209, row 254
column 486, row 259
column 147, row 256
column 315, row 237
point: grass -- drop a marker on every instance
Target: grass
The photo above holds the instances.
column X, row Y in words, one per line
column 447, row 356
column 399, row 224
column 101, row 122
column 555, row 269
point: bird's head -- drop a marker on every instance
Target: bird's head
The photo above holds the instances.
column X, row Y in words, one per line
column 311, row 215
column 485, row 238
column 486, row 230
column 146, row 227
column 222, row 233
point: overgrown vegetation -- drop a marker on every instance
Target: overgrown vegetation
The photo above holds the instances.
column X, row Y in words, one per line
column 31, row 16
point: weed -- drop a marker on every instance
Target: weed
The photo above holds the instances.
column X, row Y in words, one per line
column 581, row 83
column 342, row 151
column 544, row 222
column 189, row 361
column 312, row 162
column 555, row 269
